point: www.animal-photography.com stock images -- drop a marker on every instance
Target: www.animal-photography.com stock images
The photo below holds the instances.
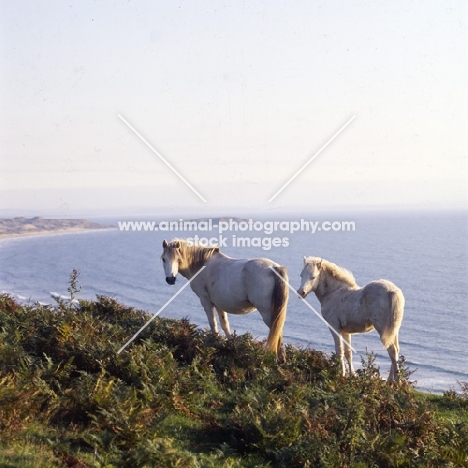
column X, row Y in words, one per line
column 234, row 234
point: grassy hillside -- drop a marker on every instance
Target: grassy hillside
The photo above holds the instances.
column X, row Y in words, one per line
column 181, row 397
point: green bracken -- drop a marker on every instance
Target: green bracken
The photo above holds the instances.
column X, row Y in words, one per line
column 179, row 396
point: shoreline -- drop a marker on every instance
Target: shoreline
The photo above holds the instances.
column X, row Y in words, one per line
column 19, row 235
column 14, row 228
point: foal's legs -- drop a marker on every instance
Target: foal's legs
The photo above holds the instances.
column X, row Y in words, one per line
column 393, row 351
column 348, row 351
column 223, row 320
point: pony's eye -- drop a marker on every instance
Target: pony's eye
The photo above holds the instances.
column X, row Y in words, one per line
column 164, row 260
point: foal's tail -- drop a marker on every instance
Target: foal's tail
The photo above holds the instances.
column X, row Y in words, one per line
column 393, row 318
column 279, row 302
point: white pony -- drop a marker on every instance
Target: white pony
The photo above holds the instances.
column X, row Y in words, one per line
column 235, row 286
column 350, row 309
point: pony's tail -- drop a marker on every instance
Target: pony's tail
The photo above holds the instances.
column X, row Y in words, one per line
column 394, row 318
column 279, row 304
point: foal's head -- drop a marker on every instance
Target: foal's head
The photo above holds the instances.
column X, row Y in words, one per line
column 310, row 275
column 172, row 259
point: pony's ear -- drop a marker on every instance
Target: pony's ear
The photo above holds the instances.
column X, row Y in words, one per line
column 176, row 244
column 319, row 264
column 305, row 259
column 216, row 249
column 165, row 244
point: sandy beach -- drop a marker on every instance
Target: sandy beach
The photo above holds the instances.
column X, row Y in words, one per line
column 20, row 227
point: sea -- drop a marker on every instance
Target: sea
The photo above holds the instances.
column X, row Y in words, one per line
column 424, row 253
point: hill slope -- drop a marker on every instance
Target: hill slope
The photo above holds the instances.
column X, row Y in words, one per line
column 181, row 396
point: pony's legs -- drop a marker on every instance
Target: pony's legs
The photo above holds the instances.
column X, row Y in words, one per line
column 393, row 351
column 339, row 351
column 266, row 317
column 210, row 313
column 281, row 352
column 348, row 351
column 223, row 320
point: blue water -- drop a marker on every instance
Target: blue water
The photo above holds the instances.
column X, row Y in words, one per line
column 424, row 254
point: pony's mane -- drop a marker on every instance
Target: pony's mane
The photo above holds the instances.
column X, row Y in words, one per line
column 334, row 271
column 194, row 255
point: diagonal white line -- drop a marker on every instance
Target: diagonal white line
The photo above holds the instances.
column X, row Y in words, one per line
column 160, row 157
column 313, row 310
column 312, row 158
column 160, row 310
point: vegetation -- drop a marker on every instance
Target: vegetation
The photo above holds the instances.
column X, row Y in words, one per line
column 179, row 396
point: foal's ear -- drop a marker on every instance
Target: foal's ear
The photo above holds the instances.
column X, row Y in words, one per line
column 305, row 259
column 165, row 244
column 215, row 249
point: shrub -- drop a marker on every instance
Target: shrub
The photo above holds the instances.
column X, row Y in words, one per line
column 181, row 396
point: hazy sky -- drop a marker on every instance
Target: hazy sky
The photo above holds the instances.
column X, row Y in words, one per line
column 236, row 96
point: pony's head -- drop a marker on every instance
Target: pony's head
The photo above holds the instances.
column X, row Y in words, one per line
column 171, row 258
column 182, row 257
column 310, row 276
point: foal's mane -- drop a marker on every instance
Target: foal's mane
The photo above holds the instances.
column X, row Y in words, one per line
column 194, row 256
column 339, row 273
column 334, row 272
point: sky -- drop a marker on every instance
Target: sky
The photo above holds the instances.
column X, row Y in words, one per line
column 237, row 97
